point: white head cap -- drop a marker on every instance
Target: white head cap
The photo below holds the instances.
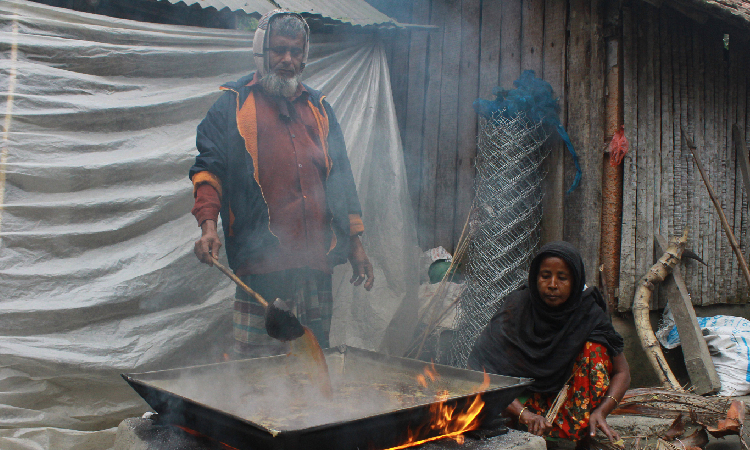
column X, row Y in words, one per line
column 263, row 34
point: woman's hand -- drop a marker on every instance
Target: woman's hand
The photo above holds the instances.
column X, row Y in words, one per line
column 536, row 424
column 618, row 384
column 597, row 421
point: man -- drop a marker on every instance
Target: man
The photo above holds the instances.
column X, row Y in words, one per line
column 273, row 163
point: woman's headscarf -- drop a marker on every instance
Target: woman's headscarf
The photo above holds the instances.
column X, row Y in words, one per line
column 263, row 35
column 528, row 338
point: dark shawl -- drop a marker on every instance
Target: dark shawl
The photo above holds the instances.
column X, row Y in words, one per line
column 527, row 338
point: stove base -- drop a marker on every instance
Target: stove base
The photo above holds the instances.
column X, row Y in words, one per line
column 144, row 434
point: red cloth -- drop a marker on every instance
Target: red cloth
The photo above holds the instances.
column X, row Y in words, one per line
column 292, row 173
column 587, row 389
column 618, row 147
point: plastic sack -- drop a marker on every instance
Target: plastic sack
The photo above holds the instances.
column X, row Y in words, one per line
column 728, row 340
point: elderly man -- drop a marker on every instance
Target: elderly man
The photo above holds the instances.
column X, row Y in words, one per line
column 273, row 163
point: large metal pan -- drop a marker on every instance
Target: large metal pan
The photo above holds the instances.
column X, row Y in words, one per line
column 269, row 403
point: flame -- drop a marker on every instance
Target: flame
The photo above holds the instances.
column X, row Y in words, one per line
column 421, row 380
column 225, row 357
column 445, row 419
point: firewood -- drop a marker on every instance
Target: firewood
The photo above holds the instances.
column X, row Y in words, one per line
column 647, row 284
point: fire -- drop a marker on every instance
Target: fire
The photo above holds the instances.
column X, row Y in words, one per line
column 445, row 419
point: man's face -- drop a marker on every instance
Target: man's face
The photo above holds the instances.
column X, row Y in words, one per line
column 286, row 54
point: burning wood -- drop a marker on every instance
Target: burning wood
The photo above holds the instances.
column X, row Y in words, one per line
column 446, row 422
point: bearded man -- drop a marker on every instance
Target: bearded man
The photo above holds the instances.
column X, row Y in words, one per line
column 273, row 164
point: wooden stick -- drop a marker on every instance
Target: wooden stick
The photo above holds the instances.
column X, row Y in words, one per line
column 647, row 284
column 724, row 223
column 557, row 404
column 239, row 282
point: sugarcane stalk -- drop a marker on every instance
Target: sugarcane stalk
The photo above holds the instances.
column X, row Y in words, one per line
column 647, row 284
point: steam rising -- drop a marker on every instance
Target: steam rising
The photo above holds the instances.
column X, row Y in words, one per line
column 279, row 394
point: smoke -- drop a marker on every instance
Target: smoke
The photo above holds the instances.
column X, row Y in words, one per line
column 279, row 393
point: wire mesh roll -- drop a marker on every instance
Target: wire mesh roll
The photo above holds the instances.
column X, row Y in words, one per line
column 504, row 225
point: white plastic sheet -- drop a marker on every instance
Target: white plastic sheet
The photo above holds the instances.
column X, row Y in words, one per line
column 97, row 273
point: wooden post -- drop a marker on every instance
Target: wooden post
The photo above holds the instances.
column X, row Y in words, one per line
column 698, row 361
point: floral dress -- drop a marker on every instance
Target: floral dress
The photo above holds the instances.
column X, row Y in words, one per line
column 587, row 388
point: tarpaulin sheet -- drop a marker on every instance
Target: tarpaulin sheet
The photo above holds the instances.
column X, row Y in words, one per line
column 97, row 272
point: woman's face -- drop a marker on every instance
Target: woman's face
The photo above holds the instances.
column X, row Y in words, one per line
column 554, row 281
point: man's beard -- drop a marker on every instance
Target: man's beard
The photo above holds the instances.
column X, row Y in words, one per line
column 275, row 85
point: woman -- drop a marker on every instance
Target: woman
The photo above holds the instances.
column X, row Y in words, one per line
column 557, row 331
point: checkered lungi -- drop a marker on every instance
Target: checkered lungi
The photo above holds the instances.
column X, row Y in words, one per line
column 307, row 291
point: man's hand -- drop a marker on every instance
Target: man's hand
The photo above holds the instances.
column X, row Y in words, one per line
column 361, row 267
column 209, row 243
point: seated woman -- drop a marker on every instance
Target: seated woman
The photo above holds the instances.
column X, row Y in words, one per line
column 557, row 331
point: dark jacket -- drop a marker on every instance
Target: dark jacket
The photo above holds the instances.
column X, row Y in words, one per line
column 244, row 212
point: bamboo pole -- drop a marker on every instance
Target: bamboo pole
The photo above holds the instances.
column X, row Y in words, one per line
column 722, row 217
column 657, row 273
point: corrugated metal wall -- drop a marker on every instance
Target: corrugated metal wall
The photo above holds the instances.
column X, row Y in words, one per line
column 678, row 72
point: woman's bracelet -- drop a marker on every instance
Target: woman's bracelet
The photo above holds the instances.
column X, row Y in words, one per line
column 617, row 402
column 521, row 413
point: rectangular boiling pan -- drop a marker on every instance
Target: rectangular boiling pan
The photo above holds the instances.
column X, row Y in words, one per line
column 271, row 403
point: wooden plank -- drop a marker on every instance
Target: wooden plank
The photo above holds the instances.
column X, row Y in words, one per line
column 732, row 165
column 700, row 367
column 695, row 129
column 585, row 126
column 489, row 56
column 468, row 91
column 666, row 145
column 667, row 126
column 644, row 228
column 510, row 43
column 597, row 119
column 709, row 135
column 431, row 128
column 628, row 275
column 415, row 106
column 655, row 134
column 742, row 157
column 745, row 220
column 736, row 187
column 532, row 32
column 678, row 92
column 553, row 62
column 445, row 182
column 741, row 194
column 717, row 206
column 688, row 184
column 726, row 169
